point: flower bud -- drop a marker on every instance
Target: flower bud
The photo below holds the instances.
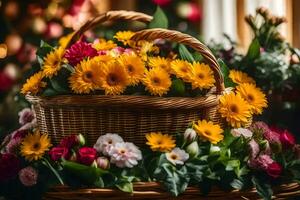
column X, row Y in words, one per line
column 81, row 139
column 102, row 162
column 214, row 149
column 193, row 149
column 190, row 135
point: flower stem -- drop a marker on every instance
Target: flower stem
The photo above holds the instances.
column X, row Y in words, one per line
column 46, row 162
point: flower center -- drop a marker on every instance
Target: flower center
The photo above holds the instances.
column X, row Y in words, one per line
column 130, row 68
column 206, row 132
column 184, row 69
column 173, row 157
column 250, row 97
column 112, row 79
column 122, row 151
column 234, row 108
column 109, row 142
column 200, row 76
column 87, row 76
column 159, row 142
column 36, row 146
column 163, row 66
column 156, row 80
column 55, row 63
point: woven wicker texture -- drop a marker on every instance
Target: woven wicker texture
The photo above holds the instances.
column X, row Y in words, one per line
column 155, row 191
column 130, row 116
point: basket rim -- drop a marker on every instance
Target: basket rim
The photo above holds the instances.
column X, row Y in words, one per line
column 133, row 101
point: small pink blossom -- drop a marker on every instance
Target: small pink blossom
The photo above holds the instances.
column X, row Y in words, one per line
column 28, row 176
column 238, row 132
column 254, row 148
column 13, row 145
column 26, row 115
column 261, row 162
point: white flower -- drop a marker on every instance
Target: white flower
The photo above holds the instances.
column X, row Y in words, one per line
column 106, row 142
column 190, row 134
column 177, row 156
column 125, row 154
column 237, row 132
column 214, row 149
column 193, row 149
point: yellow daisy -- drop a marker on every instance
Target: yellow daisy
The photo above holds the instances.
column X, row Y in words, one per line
column 134, row 66
column 239, row 77
column 209, row 131
column 234, row 109
column 102, row 44
column 182, row 69
column 144, row 47
column 63, row 41
column 103, row 58
column 161, row 62
column 160, row 142
column 124, row 37
column 34, row 84
column 254, row 96
column 87, row 76
column 202, row 76
column 157, row 81
column 35, row 145
column 114, row 79
column 53, row 62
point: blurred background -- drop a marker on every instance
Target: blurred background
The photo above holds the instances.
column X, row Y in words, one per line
column 263, row 42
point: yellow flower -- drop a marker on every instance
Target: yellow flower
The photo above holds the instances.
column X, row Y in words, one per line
column 124, row 37
column 63, row 41
column 202, row 76
column 144, row 47
column 102, row 44
column 239, row 77
column 34, row 146
column 161, row 62
column 234, row 109
column 87, row 76
column 160, row 142
column 34, row 84
column 209, row 131
column 53, row 62
column 134, row 66
column 254, row 96
column 157, row 81
column 114, row 79
column 182, row 69
column 103, row 58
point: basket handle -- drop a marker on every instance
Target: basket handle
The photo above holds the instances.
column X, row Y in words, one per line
column 176, row 36
column 109, row 16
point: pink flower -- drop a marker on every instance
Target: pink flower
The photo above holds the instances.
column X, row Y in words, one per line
column 274, row 170
column 13, row 145
column 287, row 139
column 26, row 53
column 86, row 155
column 254, row 148
column 102, row 162
column 69, row 141
column 261, row 162
column 259, row 126
column 272, row 137
column 26, row 115
column 125, row 154
column 57, row 153
column 117, row 51
column 238, row 132
column 162, row 2
column 28, row 176
column 195, row 13
column 106, row 142
column 9, row 166
column 79, row 51
column 54, row 30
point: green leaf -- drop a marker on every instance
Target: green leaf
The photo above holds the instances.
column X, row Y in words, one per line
column 60, row 82
column 125, row 186
column 198, row 57
column 263, row 188
column 49, row 92
column 185, row 54
column 69, row 67
column 237, row 184
column 254, row 50
column 55, row 172
column 232, row 164
column 42, row 51
column 159, row 20
column 225, row 71
column 87, row 174
column 177, row 87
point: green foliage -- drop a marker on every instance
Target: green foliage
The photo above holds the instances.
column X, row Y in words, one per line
column 225, row 72
column 159, row 20
column 263, row 187
column 185, row 54
column 41, row 52
column 177, row 87
column 253, row 51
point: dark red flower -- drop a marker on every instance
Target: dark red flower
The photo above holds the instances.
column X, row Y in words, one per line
column 86, row 155
column 57, row 153
column 69, row 142
column 6, row 82
column 79, row 51
column 20, row 133
column 274, row 170
column 287, row 139
column 162, row 2
column 9, row 166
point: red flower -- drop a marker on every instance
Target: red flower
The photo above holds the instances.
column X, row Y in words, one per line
column 5, row 82
column 287, row 139
column 86, row 155
column 274, row 170
column 69, row 142
column 162, row 2
column 19, row 134
column 79, row 51
column 9, row 166
column 57, row 153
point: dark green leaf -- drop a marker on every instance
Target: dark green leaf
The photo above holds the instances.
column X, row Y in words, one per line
column 159, row 20
column 237, row 184
column 177, row 88
column 42, row 51
column 254, row 50
column 185, row 54
column 232, row 164
column 263, row 188
column 68, row 67
column 125, row 186
column 48, row 92
column 198, row 57
column 225, row 72
column 60, row 81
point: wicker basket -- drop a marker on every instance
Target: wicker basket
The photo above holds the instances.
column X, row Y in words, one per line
column 130, row 116
column 152, row 190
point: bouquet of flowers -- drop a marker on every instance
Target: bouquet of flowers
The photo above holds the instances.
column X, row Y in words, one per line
column 203, row 156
